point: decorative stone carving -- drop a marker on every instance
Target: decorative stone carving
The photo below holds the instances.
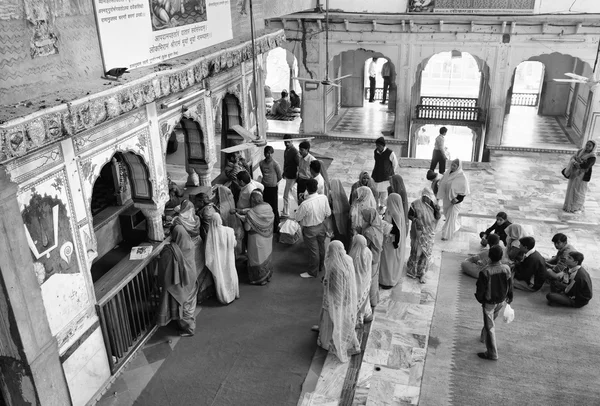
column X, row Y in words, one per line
column 113, row 107
column 165, row 85
column 36, row 132
column 154, row 221
column 98, row 111
column 174, row 84
column 53, row 126
column 15, row 141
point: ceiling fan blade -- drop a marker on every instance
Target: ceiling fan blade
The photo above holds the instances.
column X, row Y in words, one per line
column 574, row 76
column 236, row 148
column 307, row 80
column 245, row 134
column 342, row 77
column 333, row 84
column 570, row 80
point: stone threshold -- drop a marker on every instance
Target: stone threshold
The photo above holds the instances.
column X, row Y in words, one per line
column 566, row 150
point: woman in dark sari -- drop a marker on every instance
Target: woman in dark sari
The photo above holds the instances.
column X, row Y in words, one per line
column 226, row 208
column 258, row 221
column 177, row 278
column 372, row 230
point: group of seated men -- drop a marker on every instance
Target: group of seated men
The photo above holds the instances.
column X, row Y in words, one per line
column 570, row 284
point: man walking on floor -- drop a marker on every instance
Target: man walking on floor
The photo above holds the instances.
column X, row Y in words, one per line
column 494, row 289
column 372, row 77
column 386, row 73
column 291, row 160
column 385, row 167
column 439, row 151
column 311, row 215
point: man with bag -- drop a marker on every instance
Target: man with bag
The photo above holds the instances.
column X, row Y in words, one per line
column 494, row 288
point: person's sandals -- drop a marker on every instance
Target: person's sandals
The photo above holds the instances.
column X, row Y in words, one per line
column 484, row 355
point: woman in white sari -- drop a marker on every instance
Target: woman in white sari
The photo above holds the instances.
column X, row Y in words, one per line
column 362, row 258
column 364, row 200
column 453, row 188
column 337, row 323
column 394, row 243
column 220, row 260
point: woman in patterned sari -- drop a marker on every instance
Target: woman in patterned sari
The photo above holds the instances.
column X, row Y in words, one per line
column 372, row 230
column 259, row 221
column 424, row 214
column 337, row 323
column 177, row 278
column 363, row 260
column 364, row 200
column 226, row 207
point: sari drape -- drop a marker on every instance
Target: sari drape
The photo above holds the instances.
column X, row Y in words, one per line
column 259, row 222
column 577, row 187
column 422, row 233
column 373, row 232
column 220, row 260
column 370, row 184
column 362, row 259
column 452, row 184
column 340, row 210
column 337, row 324
column 177, row 278
column 514, row 233
column 225, row 204
column 188, row 219
column 364, row 200
column 397, row 186
column 392, row 259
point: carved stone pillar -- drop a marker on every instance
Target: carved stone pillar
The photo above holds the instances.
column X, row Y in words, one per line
column 30, row 363
column 154, row 222
column 313, row 105
column 591, row 122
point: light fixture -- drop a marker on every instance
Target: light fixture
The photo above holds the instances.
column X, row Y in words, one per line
column 181, row 100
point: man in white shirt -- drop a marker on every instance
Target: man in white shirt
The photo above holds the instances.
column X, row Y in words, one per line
column 303, row 168
column 311, row 215
column 315, row 173
column 372, row 77
column 247, row 187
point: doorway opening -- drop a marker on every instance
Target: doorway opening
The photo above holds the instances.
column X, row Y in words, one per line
column 281, row 68
column 459, row 141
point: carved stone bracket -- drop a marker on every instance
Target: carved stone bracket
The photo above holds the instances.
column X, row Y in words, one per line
column 153, row 215
column 19, row 138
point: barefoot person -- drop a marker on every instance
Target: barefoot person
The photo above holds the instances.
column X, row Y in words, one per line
column 579, row 173
column 453, row 188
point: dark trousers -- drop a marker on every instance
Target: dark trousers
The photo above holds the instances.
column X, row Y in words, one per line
column 270, row 195
column 562, row 299
column 371, row 88
column 438, row 157
column 300, row 188
column 386, row 86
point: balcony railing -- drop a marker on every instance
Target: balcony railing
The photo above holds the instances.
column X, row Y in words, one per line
column 127, row 303
column 449, row 109
column 448, row 101
column 378, row 93
column 524, row 99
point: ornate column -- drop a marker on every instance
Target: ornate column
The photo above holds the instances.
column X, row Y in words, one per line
column 402, row 93
column 591, row 123
column 30, row 363
column 154, row 222
column 499, row 80
column 313, row 104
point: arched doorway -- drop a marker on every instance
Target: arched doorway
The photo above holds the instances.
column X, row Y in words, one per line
column 231, row 114
column 451, row 89
column 281, row 66
column 543, row 113
column 118, row 225
column 185, row 151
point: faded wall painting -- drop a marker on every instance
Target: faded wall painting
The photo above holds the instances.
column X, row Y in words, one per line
column 176, row 13
column 47, row 210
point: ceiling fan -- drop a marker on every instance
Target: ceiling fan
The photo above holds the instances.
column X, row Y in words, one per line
column 326, row 81
column 251, row 140
column 578, row 79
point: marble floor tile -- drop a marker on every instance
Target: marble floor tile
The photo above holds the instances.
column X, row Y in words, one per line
column 407, row 394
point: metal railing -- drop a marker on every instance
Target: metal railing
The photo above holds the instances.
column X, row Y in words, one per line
column 127, row 303
column 448, row 101
column 524, row 99
column 378, row 93
column 448, row 113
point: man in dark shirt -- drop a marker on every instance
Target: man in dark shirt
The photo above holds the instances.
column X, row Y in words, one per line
column 530, row 272
column 557, row 265
column 578, row 291
column 499, row 227
column 494, row 288
column 291, row 160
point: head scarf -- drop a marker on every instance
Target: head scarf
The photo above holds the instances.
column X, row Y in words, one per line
column 364, row 199
column 583, row 155
column 341, row 208
column 184, row 274
column 370, row 184
column 339, row 300
column 362, row 259
column 397, row 185
column 428, row 197
column 260, row 217
column 372, row 228
column 395, row 211
column 226, row 203
column 220, row 259
column 514, row 233
column 454, row 183
column 188, row 219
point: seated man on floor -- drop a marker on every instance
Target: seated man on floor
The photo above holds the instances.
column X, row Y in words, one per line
column 281, row 106
column 578, row 291
column 475, row 263
column 530, row 272
column 557, row 265
column 498, row 227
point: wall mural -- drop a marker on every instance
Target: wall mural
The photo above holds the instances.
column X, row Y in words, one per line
column 49, row 236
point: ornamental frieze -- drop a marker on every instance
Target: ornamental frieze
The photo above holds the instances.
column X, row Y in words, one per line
column 72, row 118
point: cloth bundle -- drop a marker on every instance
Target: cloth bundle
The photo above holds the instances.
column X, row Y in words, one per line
column 289, row 233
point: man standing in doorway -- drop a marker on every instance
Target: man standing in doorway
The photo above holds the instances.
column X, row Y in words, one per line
column 439, row 151
column 386, row 73
column 372, row 77
column 291, row 160
column 385, row 167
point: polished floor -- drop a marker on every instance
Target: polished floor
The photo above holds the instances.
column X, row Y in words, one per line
column 527, row 185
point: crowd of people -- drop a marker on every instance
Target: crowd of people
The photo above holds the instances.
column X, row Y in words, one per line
column 367, row 231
